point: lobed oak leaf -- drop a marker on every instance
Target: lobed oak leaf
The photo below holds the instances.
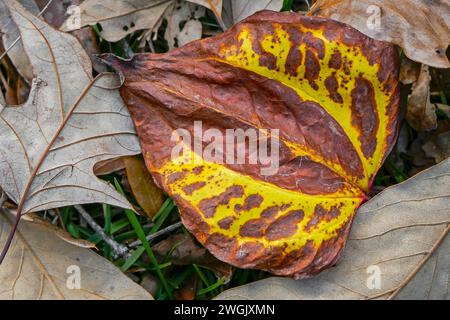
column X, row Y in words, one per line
column 70, row 122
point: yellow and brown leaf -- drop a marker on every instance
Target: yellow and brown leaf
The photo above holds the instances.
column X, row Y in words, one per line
column 331, row 91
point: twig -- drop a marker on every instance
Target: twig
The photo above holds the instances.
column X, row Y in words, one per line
column 157, row 234
column 119, row 250
column 19, row 37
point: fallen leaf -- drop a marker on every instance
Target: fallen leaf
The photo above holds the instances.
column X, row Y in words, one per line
column 337, row 122
column 10, row 33
column 60, row 233
column 421, row 113
column 183, row 11
column 145, row 191
column 216, row 6
column 184, row 251
column 192, row 30
column 241, row 9
column 421, row 28
column 409, row 71
column 188, row 289
column 71, row 121
column 396, row 235
column 416, row 153
column 106, row 167
column 119, row 18
column 41, row 266
column 438, row 147
column 55, row 13
column 151, row 284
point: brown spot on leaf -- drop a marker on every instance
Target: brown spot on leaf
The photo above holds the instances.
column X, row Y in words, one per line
column 189, row 189
column 315, row 43
column 364, row 115
column 273, row 211
column 285, row 226
column 293, row 61
column 294, row 58
column 332, row 86
column 320, row 214
column 198, row 170
column 251, row 202
column 209, row 206
column 312, row 69
column 253, row 228
column 226, row 223
column 174, row 177
column 335, row 60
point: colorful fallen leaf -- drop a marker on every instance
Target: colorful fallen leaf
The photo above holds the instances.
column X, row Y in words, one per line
column 332, row 93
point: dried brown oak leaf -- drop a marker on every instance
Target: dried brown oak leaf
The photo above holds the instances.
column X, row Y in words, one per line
column 333, row 94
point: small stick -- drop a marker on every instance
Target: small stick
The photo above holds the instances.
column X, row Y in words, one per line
column 119, row 250
column 157, row 234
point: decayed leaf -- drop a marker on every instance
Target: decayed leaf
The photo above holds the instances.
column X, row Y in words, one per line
column 188, row 289
column 421, row 113
column 10, row 33
column 71, row 121
column 183, row 11
column 393, row 236
column 332, row 93
column 241, row 9
column 144, row 189
column 185, row 251
column 214, row 5
column 409, row 71
column 421, row 28
column 109, row 166
column 438, row 147
column 119, row 18
column 56, row 12
column 40, row 265
column 192, row 30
